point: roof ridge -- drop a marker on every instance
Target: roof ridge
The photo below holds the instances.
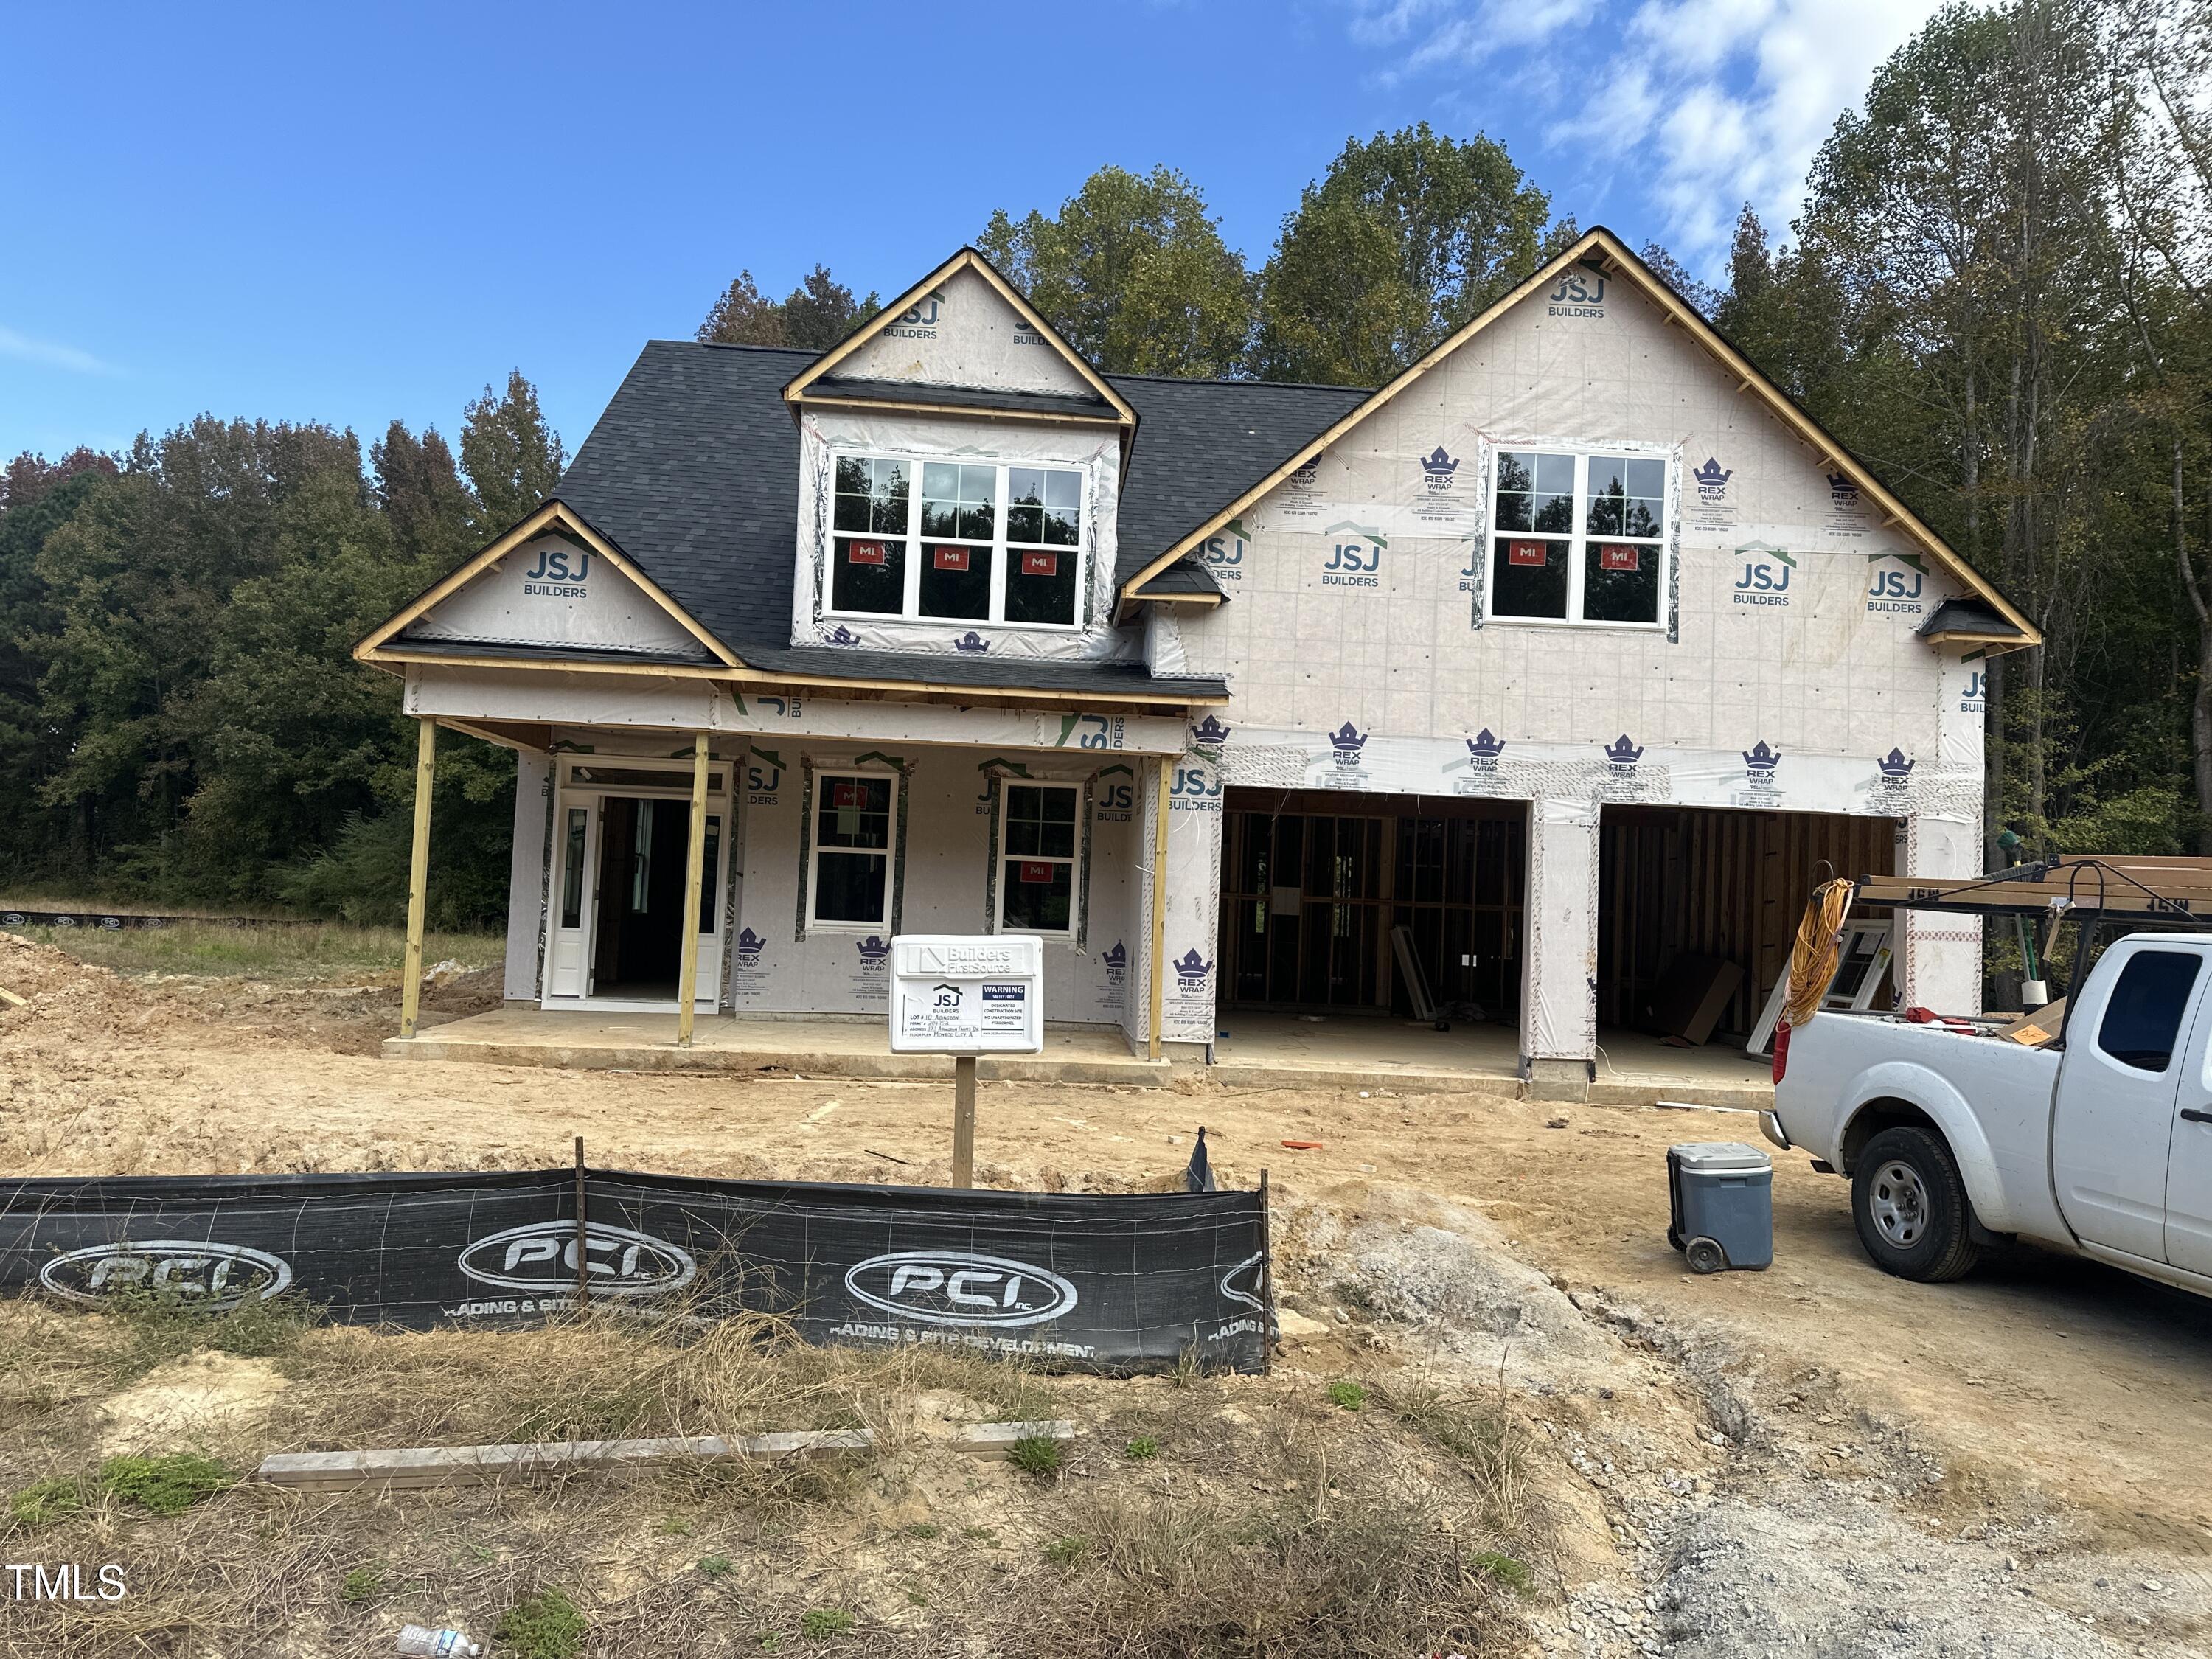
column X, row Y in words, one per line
column 1223, row 379
column 736, row 345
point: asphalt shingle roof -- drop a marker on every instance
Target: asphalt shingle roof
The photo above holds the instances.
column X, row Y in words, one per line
column 693, row 472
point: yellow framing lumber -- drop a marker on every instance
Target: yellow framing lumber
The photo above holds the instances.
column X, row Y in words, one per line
column 418, row 876
column 694, row 866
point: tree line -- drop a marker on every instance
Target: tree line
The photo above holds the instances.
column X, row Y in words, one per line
column 1998, row 292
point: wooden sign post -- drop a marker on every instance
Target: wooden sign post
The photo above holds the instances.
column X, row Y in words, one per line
column 964, row 996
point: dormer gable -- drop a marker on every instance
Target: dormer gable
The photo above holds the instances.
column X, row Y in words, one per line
column 962, row 339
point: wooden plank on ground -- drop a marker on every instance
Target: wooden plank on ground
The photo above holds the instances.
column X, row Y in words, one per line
column 995, row 1442
column 415, row 1467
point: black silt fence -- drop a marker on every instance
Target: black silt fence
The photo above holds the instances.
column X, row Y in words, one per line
column 1113, row 1284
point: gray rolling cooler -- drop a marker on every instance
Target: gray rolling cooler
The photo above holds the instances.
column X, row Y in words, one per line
column 1721, row 1204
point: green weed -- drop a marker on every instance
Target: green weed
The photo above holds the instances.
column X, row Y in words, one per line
column 167, row 1484
column 542, row 1625
column 1038, row 1455
column 45, row 1500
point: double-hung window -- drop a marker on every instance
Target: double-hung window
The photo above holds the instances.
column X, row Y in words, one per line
column 957, row 541
column 1037, row 875
column 1578, row 538
column 856, row 814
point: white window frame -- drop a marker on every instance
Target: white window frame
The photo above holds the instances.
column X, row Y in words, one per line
column 1073, row 859
column 1578, row 541
column 1001, row 549
column 821, row 781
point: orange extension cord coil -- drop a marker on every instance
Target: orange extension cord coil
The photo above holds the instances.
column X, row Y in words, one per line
column 1813, row 958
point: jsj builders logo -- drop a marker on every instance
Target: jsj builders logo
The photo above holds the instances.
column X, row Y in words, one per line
column 992, row 769
column 1974, row 699
column 1114, row 795
column 1766, row 578
column 764, row 777
column 918, row 321
column 1224, row 554
column 1354, row 557
column 559, row 574
column 1194, row 789
column 1900, row 581
column 1580, row 292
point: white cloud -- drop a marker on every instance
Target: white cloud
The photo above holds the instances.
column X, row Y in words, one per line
column 1707, row 104
column 52, row 353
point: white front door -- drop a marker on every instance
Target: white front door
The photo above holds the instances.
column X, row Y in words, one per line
column 2125, row 1053
column 707, row 987
column 580, row 906
column 568, row 928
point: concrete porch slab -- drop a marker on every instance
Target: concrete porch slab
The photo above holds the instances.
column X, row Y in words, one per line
column 586, row 1040
column 1348, row 1052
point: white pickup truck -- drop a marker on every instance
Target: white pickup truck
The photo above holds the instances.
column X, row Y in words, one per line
column 1955, row 1138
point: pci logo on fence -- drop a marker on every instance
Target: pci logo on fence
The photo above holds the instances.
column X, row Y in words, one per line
column 207, row 1275
column 542, row 1256
column 957, row 1287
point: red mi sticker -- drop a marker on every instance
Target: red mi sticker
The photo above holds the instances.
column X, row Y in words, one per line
column 1613, row 555
column 1532, row 553
column 1036, row 872
column 864, row 552
column 1040, row 564
column 845, row 794
column 951, row 558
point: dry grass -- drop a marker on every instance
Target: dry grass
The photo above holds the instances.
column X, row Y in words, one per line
column 324, row 952
column 1281, row 1527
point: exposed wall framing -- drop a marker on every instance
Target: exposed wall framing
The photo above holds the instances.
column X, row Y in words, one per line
column 1702, row 881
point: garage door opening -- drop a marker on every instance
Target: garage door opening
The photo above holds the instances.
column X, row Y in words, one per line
column 1697, row 907
column 1315, row 883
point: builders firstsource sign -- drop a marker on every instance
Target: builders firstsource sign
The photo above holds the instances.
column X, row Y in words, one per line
column 954, row 994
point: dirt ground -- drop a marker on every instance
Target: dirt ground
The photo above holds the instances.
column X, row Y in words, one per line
column 1818, row 1459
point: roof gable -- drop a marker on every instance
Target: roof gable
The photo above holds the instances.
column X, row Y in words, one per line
column 963, row 326
column 1599, row 251
column 550, row 584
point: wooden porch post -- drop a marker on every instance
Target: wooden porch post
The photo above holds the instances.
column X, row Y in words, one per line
column 418, row 876
column 695, row 864
column 1158, row 973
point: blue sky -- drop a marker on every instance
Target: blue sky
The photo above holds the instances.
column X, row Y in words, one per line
column 350, row 214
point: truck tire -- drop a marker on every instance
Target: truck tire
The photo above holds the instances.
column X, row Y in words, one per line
column 1911, row 1208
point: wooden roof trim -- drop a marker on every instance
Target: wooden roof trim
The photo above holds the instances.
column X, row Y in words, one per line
column 1619, row 260
column 966, row 259
column 979, row 693
column 966, row 412
column 398, row 661
column 551, row 515
column 461, row 657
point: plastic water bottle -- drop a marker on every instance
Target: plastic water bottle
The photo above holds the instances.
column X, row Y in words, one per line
column 420, row 1642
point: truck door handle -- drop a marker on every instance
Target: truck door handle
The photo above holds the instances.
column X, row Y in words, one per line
column 2190, row 1115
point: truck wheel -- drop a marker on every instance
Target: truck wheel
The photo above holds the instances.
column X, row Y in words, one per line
column 1911, row 1207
